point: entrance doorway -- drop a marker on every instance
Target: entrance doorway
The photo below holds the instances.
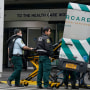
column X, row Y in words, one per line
column 30, row 36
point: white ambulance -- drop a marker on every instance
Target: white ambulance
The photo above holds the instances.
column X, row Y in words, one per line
column 75, row 48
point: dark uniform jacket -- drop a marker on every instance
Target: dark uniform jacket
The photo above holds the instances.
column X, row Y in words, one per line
column 44, row 46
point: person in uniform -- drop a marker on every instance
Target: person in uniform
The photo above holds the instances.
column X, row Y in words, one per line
column 45, row 51
column 72, row 74
column 17, row 58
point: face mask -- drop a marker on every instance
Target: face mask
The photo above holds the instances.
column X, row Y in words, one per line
column 21, row 35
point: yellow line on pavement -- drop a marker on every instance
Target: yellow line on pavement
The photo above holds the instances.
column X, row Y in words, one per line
column 29, row 82
column 13, row 82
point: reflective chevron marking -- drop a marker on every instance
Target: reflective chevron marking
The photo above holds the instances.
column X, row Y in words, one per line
column 74, row 50
column 77, row 6
column 78, row 50
column 62, row 54
column 74, row 6
column 85, row 45
column 88, row 40
column 67, row 50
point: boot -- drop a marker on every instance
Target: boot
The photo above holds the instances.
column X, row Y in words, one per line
column 66, row 86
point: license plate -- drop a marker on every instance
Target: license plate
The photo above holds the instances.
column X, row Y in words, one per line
column 71, row 66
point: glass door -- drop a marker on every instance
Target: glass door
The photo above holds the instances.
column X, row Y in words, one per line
column 32, row 35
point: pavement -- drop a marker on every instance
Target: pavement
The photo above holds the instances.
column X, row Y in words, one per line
column 7, row 72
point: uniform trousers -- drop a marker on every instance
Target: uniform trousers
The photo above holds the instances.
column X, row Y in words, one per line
column 17, row 62
column 66, row 77
column 44, row 71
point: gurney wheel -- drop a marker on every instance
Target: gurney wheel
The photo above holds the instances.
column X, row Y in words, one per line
column 57, row 86
column 52, row 85
column 25, row 84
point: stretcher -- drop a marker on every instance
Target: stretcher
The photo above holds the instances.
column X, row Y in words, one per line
column 34, row 60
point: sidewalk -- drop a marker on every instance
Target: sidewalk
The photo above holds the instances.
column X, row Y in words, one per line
column 24, row 74
column 7, row 72
column 6, row 87
column 32, row 87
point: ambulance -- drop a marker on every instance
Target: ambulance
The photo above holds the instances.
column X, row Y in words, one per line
column 75, row 48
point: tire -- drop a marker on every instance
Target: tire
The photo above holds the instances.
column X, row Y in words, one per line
column 25, row 84
column 86, row 80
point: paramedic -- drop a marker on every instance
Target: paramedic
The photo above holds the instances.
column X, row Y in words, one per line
column 72, row 74
column 17, row 58
column 45, row 51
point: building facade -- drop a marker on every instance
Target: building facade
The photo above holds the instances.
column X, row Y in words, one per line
column 31, row 17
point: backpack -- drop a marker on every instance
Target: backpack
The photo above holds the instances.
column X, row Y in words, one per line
column 10, row 43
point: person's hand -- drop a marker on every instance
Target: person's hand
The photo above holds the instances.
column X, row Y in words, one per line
column 31, row 48
column 52, row 59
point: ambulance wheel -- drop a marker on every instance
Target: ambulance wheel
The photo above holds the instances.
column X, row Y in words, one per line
column 52, row 85
column 25, row 84
column 86, row 80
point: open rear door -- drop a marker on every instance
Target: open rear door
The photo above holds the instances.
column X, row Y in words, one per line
column 76, row 37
